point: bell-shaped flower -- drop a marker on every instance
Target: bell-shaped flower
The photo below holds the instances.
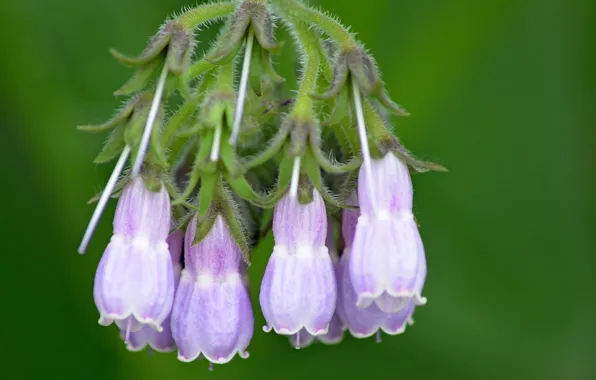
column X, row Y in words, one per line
column 134, row 283
column 363, row 322
column 212, row 314
column 298, row 290
column 387, row 250
column 335, row 332
column 147, row 336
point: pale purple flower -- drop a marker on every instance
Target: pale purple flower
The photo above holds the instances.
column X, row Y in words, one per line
column 335, row 332
column 147, row 336
column 363, row 322
column 387, row 251
column 134, row 283
column 212, row 314
column 298, row 290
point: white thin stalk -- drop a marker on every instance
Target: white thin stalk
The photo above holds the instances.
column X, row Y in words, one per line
column 161, row 82
column 242, row 88
column 364, row 142
column 216, row 144
column 295, row 178
column 103, row 199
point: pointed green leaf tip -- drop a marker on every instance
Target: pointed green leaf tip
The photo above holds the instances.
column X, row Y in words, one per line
column 120, row 117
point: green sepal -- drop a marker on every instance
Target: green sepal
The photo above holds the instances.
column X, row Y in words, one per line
column 285, row 174
column 177, row 119
column 245, row 191
column 206, row 192
column 204, row 225
column 305, row 192
column 115, row 192
column 229, row 41
column 141, row 77
column 120, row 117
column 218, row 107
column 326, row 164
column 229, row 211
column 313, row 171
column 281, row 186
column 157, row 148
column 172, row 40
column 179, row 50
column 335, row 168
column 262, row 76
column 227, row 155
column 190, row 131
column 418, row 165
column 364, row 69
column 341, row 107
column 340, row 77
column 134, row 129
column 273, row 147
column 251, row 17
column 113, row 146
column 155, row 48
column 256, row 69
column 262, row 23
column 198, row 69
column 197, row 169
column 268, row 69
column 390, row 104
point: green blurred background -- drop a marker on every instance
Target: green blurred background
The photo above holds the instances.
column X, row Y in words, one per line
column 501, row 92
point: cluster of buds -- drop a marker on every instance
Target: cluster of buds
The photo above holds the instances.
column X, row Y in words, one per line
column 215, row 167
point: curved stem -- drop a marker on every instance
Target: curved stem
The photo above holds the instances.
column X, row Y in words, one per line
column 325, row 22
column 312, row 62
column 272, row 149
column 199, row 15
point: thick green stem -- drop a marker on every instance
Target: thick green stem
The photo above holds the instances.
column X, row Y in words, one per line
column 325, row 22
column 312, row 62
column 199, row 15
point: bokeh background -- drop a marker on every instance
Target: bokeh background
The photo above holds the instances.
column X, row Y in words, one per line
column 501, row 92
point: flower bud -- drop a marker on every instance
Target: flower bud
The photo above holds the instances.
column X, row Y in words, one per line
column 160, row 341
column 298, row 289
column 212, row 314
column 134, row 283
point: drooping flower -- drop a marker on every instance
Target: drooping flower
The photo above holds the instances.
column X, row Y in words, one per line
column 387, row 250
column 335, row 332
column 212, row 314
column 298, row 290
column 134, row 283
column 147, row 336
column 363, row 322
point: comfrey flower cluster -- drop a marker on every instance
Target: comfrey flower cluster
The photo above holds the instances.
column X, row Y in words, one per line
column 222, row 152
